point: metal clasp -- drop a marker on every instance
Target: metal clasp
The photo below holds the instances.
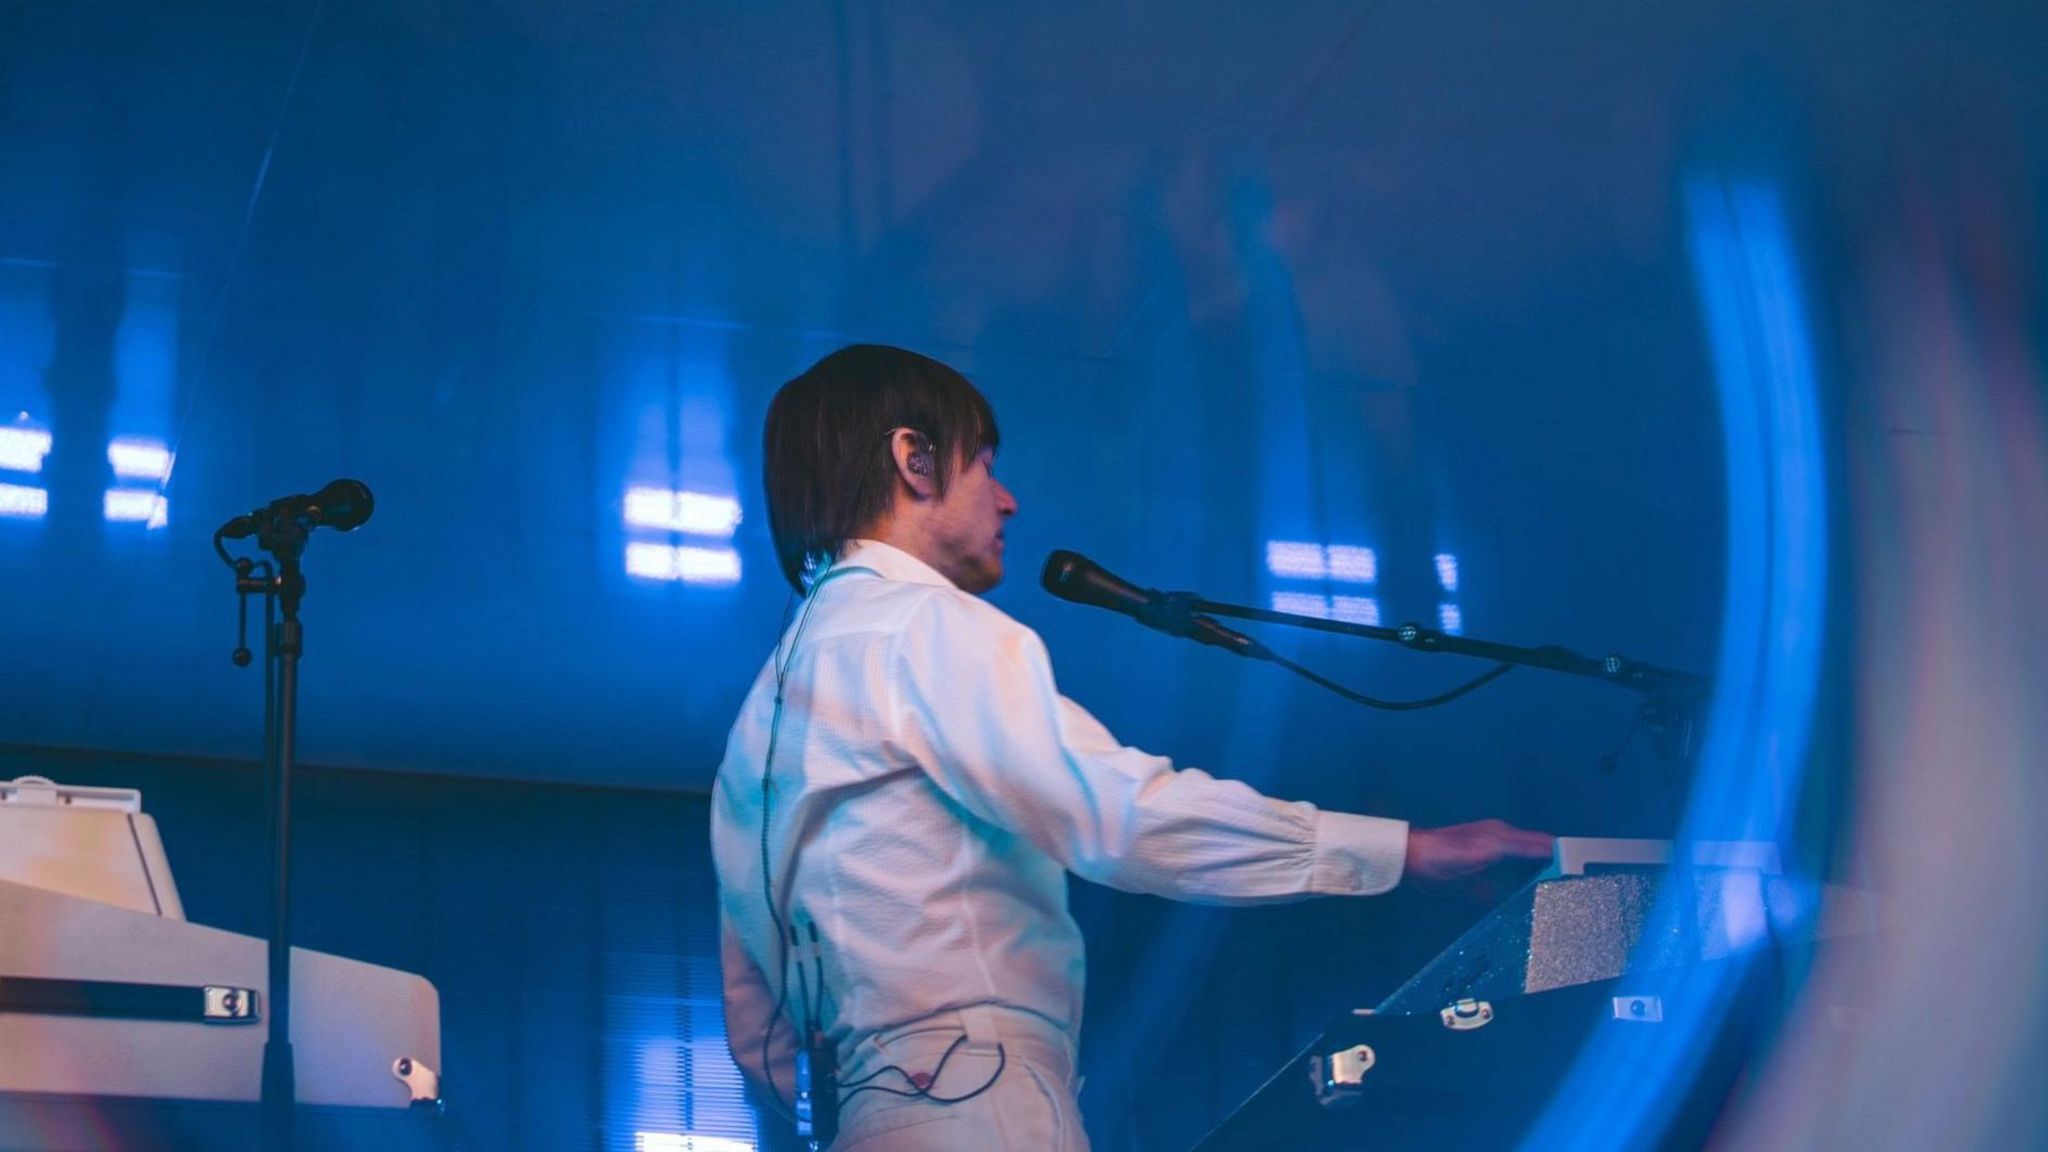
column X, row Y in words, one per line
column 424, row 1082
column 1467, row 1014
column 1639, row 1009
column 223, row 1005
column 1340, row 1076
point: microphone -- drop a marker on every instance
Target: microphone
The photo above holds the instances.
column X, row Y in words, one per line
column 342, row 506
column 1072, row 576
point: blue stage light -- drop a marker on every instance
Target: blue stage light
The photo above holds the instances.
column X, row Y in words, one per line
column 21, row 502
column 687, row 1142
column 1296, row 560
column 1447, row 571
column 134, row 458
column 1301, row 560
column 23, row 446
column 690, row 565
column 1350, row 564
column 1302, row 604
column 693, row 513
column 136, row 506
column 1355, row 609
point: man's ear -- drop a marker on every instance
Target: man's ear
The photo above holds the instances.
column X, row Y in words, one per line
column 915, row 465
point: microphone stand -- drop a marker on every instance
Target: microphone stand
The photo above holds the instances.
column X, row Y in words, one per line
column 284, row 537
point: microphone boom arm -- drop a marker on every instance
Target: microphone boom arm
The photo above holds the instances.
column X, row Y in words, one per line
column 1672, row 700
column 1635, row 675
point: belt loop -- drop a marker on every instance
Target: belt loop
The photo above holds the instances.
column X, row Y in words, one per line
column 979, row 1021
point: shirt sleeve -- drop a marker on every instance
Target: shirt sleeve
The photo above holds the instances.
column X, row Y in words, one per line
column 749, row 1006
column 977, row 708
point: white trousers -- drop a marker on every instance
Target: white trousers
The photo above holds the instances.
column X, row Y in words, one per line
column 1016, row 1070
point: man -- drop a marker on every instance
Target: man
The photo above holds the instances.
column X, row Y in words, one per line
column 905, row 790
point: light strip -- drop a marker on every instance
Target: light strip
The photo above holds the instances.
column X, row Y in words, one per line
column 1353, row 565
column 136, row 506
column 695, row 513
column 1304, row 560
column 138, row 459
column 1355, row 609
column 718, row 566
column 687, row 1142
column 23, row 449
column 1449, row 618
column 1302, row 604
column 21, row 502
column 1447, row 571
column 1296, row 559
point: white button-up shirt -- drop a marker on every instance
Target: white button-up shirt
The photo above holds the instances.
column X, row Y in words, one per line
column 930, row 790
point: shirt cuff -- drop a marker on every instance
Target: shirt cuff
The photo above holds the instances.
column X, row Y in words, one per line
column 1358, row 855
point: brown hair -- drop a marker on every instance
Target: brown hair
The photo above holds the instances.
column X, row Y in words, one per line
column 826, row 462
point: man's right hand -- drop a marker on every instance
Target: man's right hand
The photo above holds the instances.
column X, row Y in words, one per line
column 1457, row 851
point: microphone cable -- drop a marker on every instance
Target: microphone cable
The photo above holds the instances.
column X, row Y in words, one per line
column 782, row 935
column 788, row 937
column 856, row 1087
column 1313, row 677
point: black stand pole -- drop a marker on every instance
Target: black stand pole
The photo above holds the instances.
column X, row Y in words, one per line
column 286, row 541
column 281, row 529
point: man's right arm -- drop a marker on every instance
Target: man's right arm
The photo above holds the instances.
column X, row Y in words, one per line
column 977, row 707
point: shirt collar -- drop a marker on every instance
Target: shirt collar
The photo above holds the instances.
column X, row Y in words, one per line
column 890, row 563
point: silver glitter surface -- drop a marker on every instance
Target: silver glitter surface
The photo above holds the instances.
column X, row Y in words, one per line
column 1584, row 928
column 1575, row 929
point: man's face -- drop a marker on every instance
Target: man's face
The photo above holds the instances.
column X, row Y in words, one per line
column 967, row 524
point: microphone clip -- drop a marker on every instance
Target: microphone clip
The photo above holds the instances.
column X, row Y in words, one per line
column 1072, row 576
column 1170, row 612
column 1174, row 614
